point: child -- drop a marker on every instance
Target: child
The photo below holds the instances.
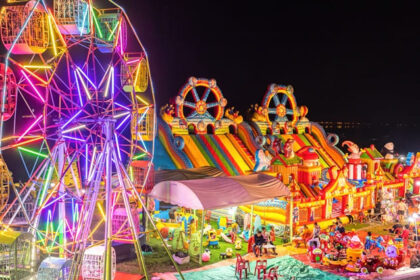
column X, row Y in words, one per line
column 368, row 241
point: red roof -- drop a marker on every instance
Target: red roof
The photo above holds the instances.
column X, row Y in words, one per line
column 307, row 153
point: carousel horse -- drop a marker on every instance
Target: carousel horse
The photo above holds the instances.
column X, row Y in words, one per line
column 377, row 243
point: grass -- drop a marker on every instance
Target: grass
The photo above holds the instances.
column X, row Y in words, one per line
column 159, row 261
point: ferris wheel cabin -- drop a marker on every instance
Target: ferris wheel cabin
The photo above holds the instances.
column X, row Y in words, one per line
column 34, row 38
column 72, row 16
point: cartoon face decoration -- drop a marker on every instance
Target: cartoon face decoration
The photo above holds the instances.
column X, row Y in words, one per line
column 391, row 251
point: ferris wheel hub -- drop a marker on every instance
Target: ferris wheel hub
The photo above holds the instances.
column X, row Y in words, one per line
column 281, row 110
column 201, row 107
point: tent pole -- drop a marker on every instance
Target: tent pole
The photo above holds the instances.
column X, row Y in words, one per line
column 251, row 232
column 201, row 239
column 291, row 219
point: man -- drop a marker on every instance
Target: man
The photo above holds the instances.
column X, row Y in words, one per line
column 258, row 243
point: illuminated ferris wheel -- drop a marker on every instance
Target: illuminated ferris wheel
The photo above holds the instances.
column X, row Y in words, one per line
column 77, row 109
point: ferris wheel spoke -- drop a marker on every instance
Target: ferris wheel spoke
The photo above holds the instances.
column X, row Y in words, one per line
column 206, row 94
column 284, row 99
column 272, row 111
column 189, row 104
column 195, row 94
column 213, row 104
column 276, row 100
column 289, row 112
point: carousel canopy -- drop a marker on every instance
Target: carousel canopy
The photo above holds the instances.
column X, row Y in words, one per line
column 188, row 174
column 220, row 192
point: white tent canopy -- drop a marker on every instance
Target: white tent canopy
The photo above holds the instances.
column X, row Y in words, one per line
column 220, row 192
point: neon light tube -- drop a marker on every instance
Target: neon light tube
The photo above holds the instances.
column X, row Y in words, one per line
column 112, row 82
column 113, row 31
column 52, row 202
column 108, row 81
column 32, row 152
column 96, row 23
column 133, row 61
column 30, row 127
column 92, row 162
column 78, row 88
column 73, row 138
column 139, row 156
column 50, row 170
column 118, row 145
column 122, row 106
column 86, row 161
column 131, row 173
column 121, row 115
column 87, row 78
column 74, row 128
column 83, row 22
column 37, row 66
column 84, row 86
column 33, row 86
column 123, row 121
column 25, row 142
column 72, row 118
column 52, row 35
column 142, row 100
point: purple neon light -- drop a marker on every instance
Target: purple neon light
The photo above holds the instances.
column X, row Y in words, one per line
column 123, row 121
column 72, row 118
column 118, row 145
column 87, row 78
column 122, row 106
column 73, row 138
column 78, row 89
column 86, row 161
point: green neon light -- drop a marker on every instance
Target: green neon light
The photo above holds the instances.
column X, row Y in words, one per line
column 32, row 152
column 60, row 225
column 50, row 170
column 113, row 31
column 96, row 23
column 139, row 156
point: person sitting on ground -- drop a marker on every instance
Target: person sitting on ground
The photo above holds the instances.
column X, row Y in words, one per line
column 337, row 220
column 258, row 243
column 348, row 214
column 315, row 236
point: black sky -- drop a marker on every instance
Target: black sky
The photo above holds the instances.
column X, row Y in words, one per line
column 347, row 60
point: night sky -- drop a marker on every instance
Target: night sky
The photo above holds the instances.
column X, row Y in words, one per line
column 347, row 60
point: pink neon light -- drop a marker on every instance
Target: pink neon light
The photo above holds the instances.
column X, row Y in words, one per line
column 33, row 86
column 120, row 37
column 30, row 127
column 133, row 61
